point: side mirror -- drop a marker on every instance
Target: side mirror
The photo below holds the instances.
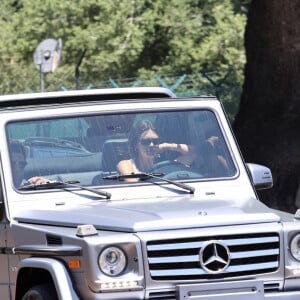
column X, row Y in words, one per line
column 261, row 176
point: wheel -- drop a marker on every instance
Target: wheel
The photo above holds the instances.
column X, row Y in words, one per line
column 182, row 175
column 168, row 166
column 175, row 170
column 41, row 292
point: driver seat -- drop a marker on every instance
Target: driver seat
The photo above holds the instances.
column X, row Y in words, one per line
column 113, row 151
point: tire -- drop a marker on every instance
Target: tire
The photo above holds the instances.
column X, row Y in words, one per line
column 41, row 292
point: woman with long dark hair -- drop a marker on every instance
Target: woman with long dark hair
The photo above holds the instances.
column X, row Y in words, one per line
column 145, row 147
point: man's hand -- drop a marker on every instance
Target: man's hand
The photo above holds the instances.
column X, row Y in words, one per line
column 38, row 180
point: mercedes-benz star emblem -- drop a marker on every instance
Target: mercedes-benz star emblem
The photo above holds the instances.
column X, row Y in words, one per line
column 214, row 257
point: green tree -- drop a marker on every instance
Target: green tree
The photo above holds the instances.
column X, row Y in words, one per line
column 137, row 38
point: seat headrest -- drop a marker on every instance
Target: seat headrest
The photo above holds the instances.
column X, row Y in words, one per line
column 113, row 151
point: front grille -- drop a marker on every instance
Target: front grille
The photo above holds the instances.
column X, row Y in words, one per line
column 179, row 259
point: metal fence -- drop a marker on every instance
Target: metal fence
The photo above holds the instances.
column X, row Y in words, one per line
column 222, row 85
column 184, row 85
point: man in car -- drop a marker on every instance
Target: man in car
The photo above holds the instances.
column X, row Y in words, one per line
column 18, row 163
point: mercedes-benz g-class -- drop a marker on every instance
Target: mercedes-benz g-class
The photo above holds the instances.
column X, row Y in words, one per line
column 135, row 194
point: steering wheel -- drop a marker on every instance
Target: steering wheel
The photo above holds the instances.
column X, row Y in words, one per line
column 175, row 170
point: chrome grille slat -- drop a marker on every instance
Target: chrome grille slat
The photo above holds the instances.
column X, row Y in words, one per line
column 176, row 272
column 176, row 246
column 195, row 258
column 179, row 258
column 249, row 267
column 173, row 259
column 251, row 241
column 200, row 244
column 255, row 253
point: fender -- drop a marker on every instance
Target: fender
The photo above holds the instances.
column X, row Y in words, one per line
column 59, row 274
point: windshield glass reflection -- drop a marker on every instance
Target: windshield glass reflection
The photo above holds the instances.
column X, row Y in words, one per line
column 186, row 145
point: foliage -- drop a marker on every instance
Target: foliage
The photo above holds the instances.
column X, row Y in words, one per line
column 122, row 39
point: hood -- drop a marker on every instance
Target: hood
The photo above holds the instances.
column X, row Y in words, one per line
column 158, row 214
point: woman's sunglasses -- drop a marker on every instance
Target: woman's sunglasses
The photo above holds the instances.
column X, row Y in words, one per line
column 147, row 142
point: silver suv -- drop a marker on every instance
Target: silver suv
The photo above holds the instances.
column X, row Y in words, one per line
column 122, row 211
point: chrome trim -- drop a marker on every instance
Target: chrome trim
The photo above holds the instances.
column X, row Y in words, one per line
column 229, row 242
column 46, row 250
column 176, row 272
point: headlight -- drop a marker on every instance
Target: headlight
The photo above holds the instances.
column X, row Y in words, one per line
column 295, row 246
column 112, row 261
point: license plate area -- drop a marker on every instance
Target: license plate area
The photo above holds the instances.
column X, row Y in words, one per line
column 246, row 290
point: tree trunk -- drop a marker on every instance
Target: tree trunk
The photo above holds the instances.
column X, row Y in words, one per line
column 268, row 123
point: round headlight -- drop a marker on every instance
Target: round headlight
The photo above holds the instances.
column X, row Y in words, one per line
column 112, row 261
column 295, row 246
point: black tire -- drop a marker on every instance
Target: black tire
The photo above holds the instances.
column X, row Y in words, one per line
column 41, row 292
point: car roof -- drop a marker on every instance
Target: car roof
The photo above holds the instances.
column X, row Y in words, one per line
column 84, row 95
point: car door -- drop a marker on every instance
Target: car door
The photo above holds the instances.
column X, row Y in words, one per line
column 4, row 278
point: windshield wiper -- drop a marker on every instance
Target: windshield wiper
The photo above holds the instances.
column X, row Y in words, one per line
column 145, row 176
column 62, row 185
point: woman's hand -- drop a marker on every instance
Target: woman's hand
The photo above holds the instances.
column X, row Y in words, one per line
column 182, row 148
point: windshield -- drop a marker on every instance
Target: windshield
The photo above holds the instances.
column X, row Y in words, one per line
column 186, row 145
